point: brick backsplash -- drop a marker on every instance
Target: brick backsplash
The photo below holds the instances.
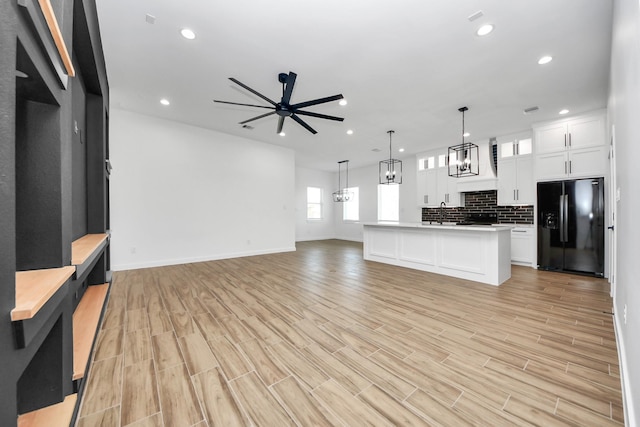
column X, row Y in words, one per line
column 482, row 202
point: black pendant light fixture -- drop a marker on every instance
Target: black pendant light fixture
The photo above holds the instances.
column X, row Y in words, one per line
column 463, row 158
column 343, row 194
column 390, row 170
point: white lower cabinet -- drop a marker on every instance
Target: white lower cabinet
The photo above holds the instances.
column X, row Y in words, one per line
column 522, row 245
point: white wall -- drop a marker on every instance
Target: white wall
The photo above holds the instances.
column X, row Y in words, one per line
column 314, row 229
column 624, row 111
column 182, row 194
column 366, row 178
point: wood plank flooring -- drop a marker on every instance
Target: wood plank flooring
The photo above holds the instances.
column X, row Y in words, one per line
column 321, row 337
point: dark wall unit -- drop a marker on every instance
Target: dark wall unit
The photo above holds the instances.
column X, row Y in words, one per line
column 54, row 236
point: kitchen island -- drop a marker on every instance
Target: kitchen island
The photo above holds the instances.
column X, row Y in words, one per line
column 481, row 253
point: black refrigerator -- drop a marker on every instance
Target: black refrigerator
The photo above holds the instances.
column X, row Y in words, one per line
column 571, row 226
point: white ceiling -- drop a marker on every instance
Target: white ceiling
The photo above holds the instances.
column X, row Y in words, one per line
column 406, row 65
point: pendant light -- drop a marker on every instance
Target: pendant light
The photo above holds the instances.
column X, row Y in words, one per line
column 463, row 158
column 343, row 194
column 390, row 170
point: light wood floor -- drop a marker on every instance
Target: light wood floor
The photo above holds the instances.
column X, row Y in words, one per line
column 321, row 337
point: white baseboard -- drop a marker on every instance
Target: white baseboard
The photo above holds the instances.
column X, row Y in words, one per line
column 627, row 398
column 164, row 262
column 313, row 238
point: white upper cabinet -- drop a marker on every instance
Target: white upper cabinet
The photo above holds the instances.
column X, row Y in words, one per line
column 434, row 184
column 426, row 184
column 515, row 171
column 571, row 148
column 516, row 147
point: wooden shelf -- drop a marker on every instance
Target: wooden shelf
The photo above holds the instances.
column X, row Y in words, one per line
column 58, row 415
column 84, row 247
column 85, row 324
column 35, row 287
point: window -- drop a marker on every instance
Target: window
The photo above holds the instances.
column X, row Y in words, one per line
column 314, row 203
column 388, row 202
column 351, row 209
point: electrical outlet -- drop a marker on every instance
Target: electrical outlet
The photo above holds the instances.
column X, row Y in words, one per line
column 624, row 314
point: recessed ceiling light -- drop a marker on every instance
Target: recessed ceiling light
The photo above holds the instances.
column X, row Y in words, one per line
column 349, row 132
column 401, row 150
column 22, row 74
column 466, row 134
column 545, row 60
column 563, row 111
column 485, row 29
column 343, row 102
column 282, row 134
column 188, row 34
column 164, row 101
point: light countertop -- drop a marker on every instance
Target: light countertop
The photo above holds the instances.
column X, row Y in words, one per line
column 444, row 226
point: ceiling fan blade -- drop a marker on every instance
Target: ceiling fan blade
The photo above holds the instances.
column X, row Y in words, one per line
column 258, row 117
column 239, row 83
column 280, row 124
column 291, row 80
column 303, row 124
column 245, row 105
column 320, row 116
column 316, row 101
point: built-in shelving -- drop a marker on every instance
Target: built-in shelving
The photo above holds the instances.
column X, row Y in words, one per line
column 85, row 324
column 56, row 415
column 83, row 248
column 54, row 268
column 35, row 287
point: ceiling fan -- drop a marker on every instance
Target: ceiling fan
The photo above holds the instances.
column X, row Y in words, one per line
column 284, row 108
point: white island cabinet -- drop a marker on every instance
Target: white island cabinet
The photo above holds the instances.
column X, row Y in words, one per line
column 478, row 253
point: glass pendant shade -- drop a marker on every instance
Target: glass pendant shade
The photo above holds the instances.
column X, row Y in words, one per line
column 462, row 159
column 390, row 170
column 343, row 194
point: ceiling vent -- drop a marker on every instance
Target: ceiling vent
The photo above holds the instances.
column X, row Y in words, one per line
column 475, row 16
column 531, row 110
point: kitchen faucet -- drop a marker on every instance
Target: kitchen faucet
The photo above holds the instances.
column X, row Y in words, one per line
column 441, row 213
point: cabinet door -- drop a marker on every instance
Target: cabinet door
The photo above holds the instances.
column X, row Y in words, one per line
column 586, row 132
column 522, row 245
column 588, row 162
column 551, row 138
column 525, row 194
column 551, row 166
column 426, row 186
column 525, row 147
column 421, row 188
column 507, row 149
column 506, row 181
column 453, row 196
column 442, row 185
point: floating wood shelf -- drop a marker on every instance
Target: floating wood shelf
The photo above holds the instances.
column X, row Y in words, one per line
column 84, row 247
column 35, row 287
column 85, row 324
column 56, row 34
column 58, row 415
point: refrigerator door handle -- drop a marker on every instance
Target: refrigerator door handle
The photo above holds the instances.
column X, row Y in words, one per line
column 565, row 222
column 562, row 218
